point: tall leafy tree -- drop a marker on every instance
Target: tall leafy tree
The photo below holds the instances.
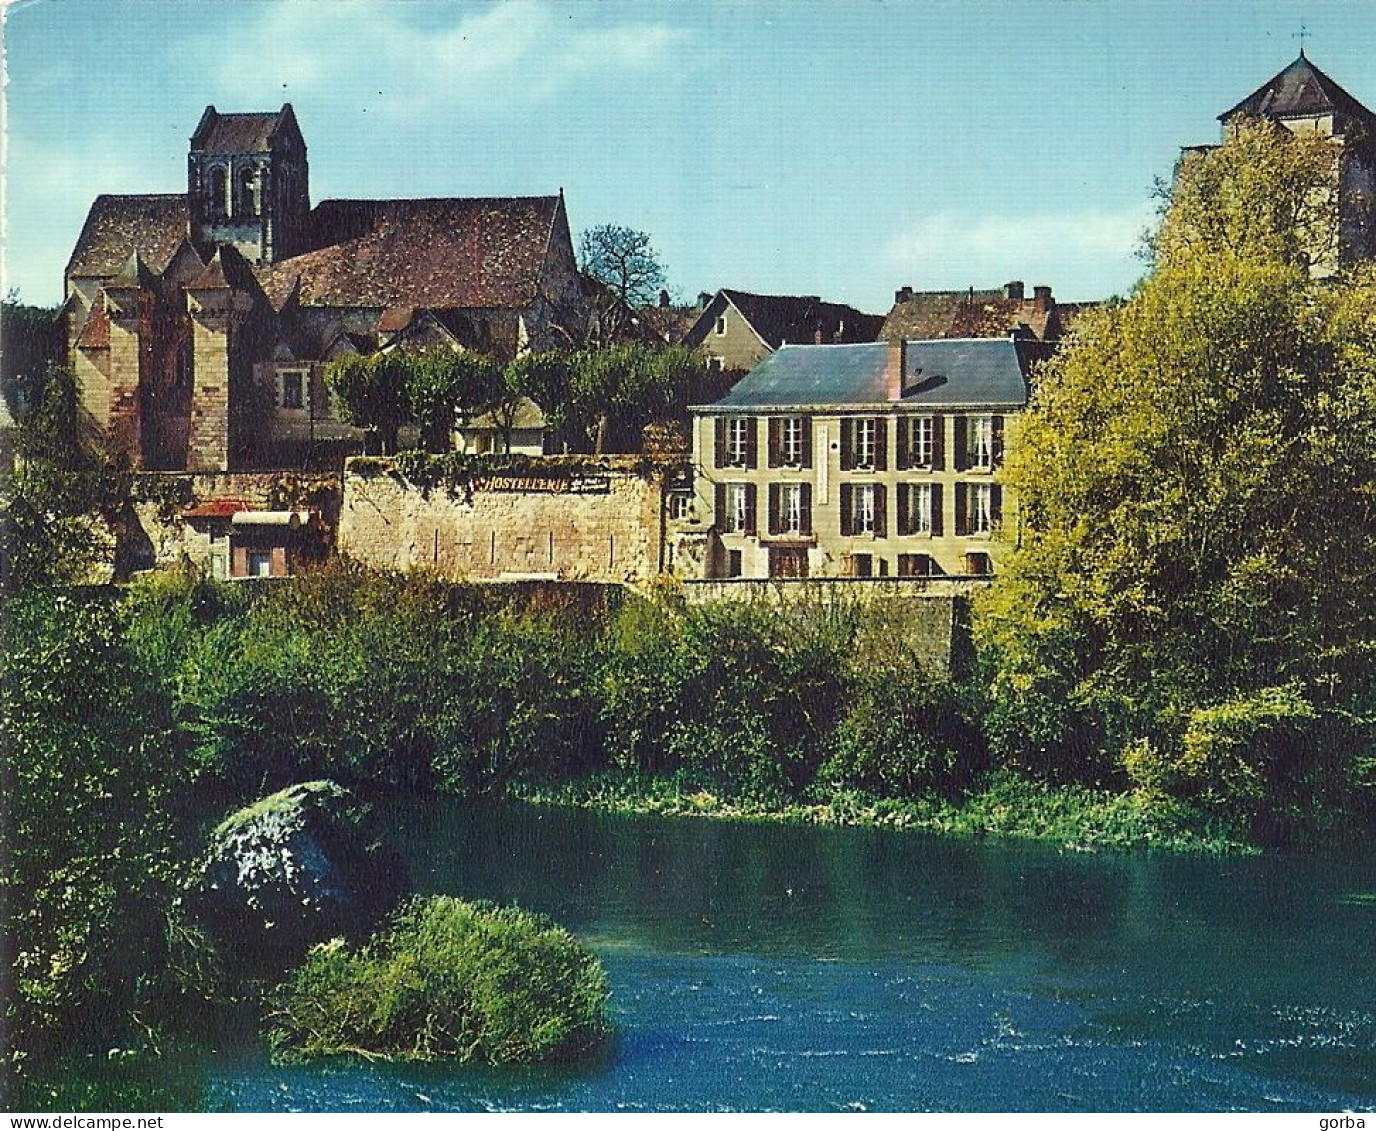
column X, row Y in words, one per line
column 624, row 260
column 443, row 384
column 371, row 392
column 1193, row 597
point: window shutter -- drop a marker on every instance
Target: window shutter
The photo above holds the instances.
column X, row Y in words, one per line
column 881, row 529
column 805, row 510
column 937, row 509
column 751, row 442
column 997, row 443
column 774, row 524
column 847, row 444
column 776, row 425
column 938, row 443
column 996, row 504
column 904, row 501
column 962, row 429
column 720, row 459
column 846, row 509
column 750, row 494
column 719, row 506
column 903, row 458
column 881, row 444
column 806, row 422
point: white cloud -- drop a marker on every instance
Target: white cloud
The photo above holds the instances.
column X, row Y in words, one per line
column 514, row 53
column 1075, row 251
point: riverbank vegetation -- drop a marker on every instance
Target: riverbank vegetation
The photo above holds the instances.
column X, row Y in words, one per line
column 447, row 980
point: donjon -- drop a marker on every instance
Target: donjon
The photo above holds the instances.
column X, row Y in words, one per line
column 1303, row 98
column 200, row 324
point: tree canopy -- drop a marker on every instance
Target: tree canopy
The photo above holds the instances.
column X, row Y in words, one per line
column 624, row 260
column 1193, row 598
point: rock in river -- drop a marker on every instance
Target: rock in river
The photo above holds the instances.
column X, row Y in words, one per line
column 294, row 869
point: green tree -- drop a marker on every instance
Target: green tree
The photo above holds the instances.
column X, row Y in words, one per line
column 33, row 341
column 1197, row 555
column 372, row 394
column 443, row 384
column 623, row 260
column 615, row 391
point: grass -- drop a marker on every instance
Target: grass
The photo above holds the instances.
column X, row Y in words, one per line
column 1006, row 805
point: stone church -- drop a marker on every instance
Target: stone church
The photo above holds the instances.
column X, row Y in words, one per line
column 200, row 323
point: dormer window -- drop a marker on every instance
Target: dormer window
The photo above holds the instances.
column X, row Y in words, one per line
column 292, row 388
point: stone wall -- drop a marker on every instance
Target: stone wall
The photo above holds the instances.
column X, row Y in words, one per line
column 571, row 520
column 934, row 615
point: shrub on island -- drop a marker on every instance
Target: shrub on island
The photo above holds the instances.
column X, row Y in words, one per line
column 446, row 980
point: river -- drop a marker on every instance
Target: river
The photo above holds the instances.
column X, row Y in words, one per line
column 759, row 967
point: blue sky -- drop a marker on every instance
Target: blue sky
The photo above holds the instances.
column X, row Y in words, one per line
column 840, row 149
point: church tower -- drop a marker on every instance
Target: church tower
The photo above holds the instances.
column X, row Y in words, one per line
column 248, row 184
column 1301, row 98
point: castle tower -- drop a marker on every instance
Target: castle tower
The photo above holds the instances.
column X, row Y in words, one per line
column 248, row 184
column 1302, row 97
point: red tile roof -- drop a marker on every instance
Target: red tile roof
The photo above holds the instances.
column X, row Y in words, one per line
column 152, row 224
column 217, row 508
column 445, row 253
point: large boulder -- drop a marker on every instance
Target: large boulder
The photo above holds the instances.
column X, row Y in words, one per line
column 296, row 868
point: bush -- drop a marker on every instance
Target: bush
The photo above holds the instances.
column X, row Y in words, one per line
column 449, row 979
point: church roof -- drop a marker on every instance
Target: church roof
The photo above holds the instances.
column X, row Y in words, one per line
column 1300, row 90
column 237, row 133
column 438, row 253
column 152, row 224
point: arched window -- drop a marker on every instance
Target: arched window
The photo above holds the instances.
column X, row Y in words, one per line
column 217, row 196
column 246, row 196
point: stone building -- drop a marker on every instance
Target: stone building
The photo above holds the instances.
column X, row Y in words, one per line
column 737, row 330
column 1303, row 98
column 867, row 460
column 200, row 323
column 971, row 313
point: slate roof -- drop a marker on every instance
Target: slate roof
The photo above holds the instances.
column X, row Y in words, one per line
column 153, row 224
column 778, row 319
column 438, row 253
column 946, row 373
column 968, row 314
column 1300, row 90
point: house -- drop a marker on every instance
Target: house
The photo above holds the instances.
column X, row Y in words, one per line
column 867, row 460
column 241, row 541
column 200, row 323
column 516, row 429
column 1303, row 98
column 737, row 330
column 975, row 313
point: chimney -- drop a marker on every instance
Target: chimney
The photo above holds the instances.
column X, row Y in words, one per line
column 1013, row 291
column 902, row 295
column 1041, row 298
column 663, row 300
column 704, row 298
column 894, row 373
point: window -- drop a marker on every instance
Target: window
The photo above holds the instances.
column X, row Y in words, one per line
column 979, row 442
column 735, row 441
column 862, row 517
column 734, row 565
column 859, row 565
column 720, row 328
column 217, row 193
column 680, row 506
column 977, row 565
column 790, row 508
column 864, row 443
column 918, row 565
column 260, row 563
column 291, row 388
column 915, row 515
column 921, row 444
column 791, row 441
column 981, row 508
column 736, row 508
column 713, row 364
column 787, row 561
column 246, row 198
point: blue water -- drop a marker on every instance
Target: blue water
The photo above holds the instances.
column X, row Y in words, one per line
column 775, row 968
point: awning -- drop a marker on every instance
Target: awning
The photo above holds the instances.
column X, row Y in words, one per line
column 291, row 519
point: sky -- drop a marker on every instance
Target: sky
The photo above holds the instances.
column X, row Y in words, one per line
column 842, row 149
